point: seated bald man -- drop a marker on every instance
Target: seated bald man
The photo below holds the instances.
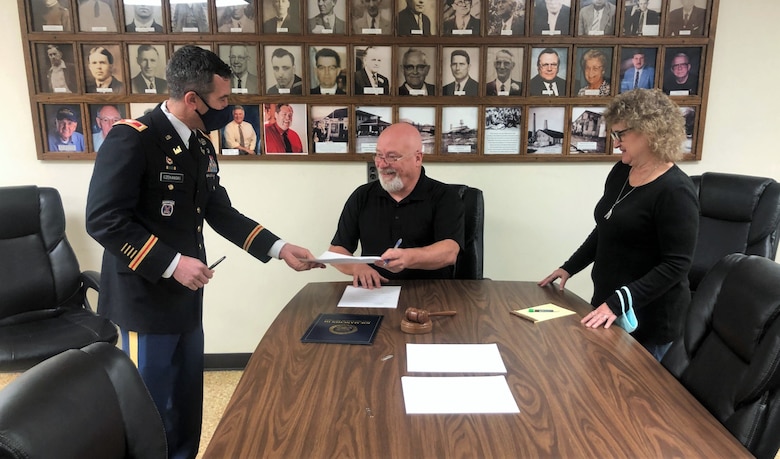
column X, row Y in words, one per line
column 405, row 205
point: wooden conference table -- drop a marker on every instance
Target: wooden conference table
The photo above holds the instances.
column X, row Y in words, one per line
column 582, row 393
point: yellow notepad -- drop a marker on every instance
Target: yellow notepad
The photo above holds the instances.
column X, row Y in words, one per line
column 542, row 312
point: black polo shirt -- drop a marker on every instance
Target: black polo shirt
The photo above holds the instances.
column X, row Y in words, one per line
column 432, row 212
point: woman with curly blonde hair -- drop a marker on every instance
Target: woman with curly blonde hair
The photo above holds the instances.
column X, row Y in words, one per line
column 647, row 222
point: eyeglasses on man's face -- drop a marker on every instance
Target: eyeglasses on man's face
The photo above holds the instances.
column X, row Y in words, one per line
column 549, row 65
column 419, row 68
column 617, row 136
column 389, row 159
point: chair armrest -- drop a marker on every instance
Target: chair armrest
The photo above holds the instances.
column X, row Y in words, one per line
column 89, row 280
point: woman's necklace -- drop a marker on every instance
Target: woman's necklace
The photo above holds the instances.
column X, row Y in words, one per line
column 619, row 198
column 617, row 201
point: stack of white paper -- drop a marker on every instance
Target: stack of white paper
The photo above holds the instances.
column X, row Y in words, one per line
column 461, row 394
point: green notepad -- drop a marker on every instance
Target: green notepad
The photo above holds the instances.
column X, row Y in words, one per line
column 343, row 329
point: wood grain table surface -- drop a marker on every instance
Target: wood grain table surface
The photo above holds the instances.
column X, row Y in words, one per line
column 582, row 393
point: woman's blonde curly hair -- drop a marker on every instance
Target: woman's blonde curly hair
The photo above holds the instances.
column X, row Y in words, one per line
column 652, row 113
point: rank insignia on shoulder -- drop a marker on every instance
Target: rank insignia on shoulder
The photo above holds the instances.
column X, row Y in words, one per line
column 166, row 210
column 135, row 124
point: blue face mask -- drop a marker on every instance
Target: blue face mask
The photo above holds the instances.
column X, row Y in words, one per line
column 214, row 119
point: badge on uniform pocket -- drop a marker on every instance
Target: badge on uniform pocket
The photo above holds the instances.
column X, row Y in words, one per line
column 166, row 210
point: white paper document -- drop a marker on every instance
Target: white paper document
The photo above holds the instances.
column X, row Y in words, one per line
column 458, row 394
column 454, row 358
column 334, row 258
column 383, row 297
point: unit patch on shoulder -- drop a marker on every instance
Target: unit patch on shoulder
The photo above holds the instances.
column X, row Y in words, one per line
column 135, row 124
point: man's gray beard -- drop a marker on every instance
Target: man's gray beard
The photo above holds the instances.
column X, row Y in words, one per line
column 393, row 185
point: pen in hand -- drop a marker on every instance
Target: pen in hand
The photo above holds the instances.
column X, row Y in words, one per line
column 214, row 265
column 397, row 244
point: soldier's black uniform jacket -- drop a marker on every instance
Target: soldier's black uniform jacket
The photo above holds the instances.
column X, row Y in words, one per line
column 148, row 199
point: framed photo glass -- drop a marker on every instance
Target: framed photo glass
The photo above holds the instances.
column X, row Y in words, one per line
column 101, row 119
column 372, row 17
column 370, row 121
column 459, row 129
column 506, row 17
column 461, row 17
column 57, row 72
column 326, row 17
column 373, row 74
column 545, row 130
column 329, row 69
column 504, row 71
column 242, row 59
column 189, row 17
column 236, row 17
column 147, row 67
column 642, row 18
column 282, row 16
column 97, row 15
column 285, row 129
column 417, row 71
column 51, row 16
column 64, row 128
column 283, row 69
column 460, row 71
column 424, row 119
column 592, row 71
column 143, row 16
column 503, row 126
column 681, row 71
column 596, row 17
column 241, row 136
column 588, row 131
column 103, row 68
column 330, row 128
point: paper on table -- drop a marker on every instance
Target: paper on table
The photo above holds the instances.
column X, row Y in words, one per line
column 384, row 297
column 337, row 258
column 457, row 394
column 454, row 358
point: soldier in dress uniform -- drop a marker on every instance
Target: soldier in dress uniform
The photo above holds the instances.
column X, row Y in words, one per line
column 156, row 180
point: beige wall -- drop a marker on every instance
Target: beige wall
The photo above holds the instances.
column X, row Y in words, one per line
column 536, row 214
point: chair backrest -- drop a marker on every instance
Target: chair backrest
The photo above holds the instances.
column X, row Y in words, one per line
column 43, row 307
column 739, row 213
column 88, row 402
column 471, row 259
column 37, row 264
column 729, row 354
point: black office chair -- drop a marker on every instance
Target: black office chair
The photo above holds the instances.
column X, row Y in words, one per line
column 739, row 213
column 471, row 259
column 729, row 354
column 43, row 304
column 82, row 403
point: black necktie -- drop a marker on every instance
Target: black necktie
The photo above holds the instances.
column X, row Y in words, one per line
column 239, row 82
column 193, row 145
column 287, row 144
column 502, row 87
column 373, row 23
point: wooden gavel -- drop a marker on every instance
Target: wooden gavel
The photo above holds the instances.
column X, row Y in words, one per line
column 421, row 316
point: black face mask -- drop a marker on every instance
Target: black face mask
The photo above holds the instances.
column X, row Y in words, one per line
column 214, row 119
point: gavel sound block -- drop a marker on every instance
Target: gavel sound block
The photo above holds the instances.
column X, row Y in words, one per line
column 417, row 321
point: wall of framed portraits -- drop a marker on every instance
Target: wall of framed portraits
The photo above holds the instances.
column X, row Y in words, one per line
column 483, row 80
